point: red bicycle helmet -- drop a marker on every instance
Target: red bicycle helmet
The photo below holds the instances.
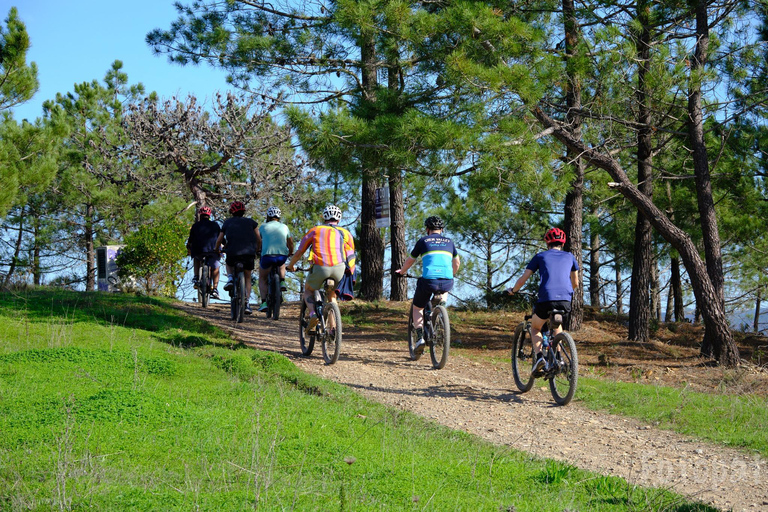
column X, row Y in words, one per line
column 555, row 236
column 205, row 210
column 236, row 207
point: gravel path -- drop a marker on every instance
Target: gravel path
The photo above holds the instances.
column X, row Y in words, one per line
column 479, row 398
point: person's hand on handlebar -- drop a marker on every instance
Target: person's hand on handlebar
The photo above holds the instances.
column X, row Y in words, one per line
column 511, row 290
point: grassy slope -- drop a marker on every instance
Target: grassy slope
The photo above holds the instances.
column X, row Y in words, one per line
column 117, row 403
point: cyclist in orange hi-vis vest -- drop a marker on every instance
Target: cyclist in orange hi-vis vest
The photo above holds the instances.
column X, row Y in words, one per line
column 332, row 254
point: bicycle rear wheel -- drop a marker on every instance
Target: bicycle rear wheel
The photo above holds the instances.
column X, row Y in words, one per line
column 440, row 341
column 275, row 297
column 412, row 338
column 203, row 286
column 522, row 358
column 307, row 342
column 331, row 337
column 563, row 382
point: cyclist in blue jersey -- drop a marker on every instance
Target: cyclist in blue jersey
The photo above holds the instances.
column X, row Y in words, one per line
column 559, row 272
column 440, row 261
column 243, row 243
column 202, row 245
column 276, row 246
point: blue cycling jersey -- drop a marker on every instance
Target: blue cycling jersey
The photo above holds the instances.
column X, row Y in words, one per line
column 437, row 252
column 554, row 267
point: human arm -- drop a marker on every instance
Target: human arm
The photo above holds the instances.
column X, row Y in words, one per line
column 303, row 246
column 258, row 240
column 409, row 261
column 289, row 243
column 575, row 279
column 520, row 282
column 219, row 241
column 456, row 263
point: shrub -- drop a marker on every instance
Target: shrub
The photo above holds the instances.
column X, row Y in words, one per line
column 153, row 254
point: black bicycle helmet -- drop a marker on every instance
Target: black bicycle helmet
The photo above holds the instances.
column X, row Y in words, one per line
column 434, row 222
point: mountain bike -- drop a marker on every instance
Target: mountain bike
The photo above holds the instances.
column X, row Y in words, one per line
column 238, row 300
column 328, row 329
column 274, row 293
column 204, row 281
column 437, row 332
column 561, row 367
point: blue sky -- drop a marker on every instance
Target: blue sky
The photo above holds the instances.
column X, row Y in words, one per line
column 76, row 41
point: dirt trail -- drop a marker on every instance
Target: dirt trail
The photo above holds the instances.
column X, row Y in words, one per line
column 479, row 398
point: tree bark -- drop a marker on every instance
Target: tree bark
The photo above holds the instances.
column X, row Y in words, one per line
column 16, row 250
column 371, row 243
column 36, row 272
column 574, row 201
column 706, row 204
column 713, row 310
column 655, row 289
column 639, row 297
column 677, row 287
column 619, row 291
column 90, row 252
column 594, row 270
column 756, row 322
column 398, row 249
column 669, row 311
column 675, row 282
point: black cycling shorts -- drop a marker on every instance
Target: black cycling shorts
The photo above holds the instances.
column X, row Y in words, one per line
column 426, row 287
column 542, row 309
column 248, row 260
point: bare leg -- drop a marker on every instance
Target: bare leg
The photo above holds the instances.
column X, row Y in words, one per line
column 263, row 283
column 247, row 274
column 418, row 317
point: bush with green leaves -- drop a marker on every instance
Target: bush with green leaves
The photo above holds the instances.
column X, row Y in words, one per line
column 153, row 256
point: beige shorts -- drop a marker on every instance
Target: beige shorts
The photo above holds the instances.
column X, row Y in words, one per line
column 319, row 274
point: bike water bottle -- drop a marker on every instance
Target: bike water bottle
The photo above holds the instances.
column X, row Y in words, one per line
column 545, row 343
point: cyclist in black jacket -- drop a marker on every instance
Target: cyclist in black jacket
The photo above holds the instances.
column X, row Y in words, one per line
column 202, row 244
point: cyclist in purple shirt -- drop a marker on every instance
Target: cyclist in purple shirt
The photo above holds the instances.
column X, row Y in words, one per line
column 559, row 273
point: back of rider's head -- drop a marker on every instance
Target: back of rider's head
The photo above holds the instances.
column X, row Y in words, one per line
column 331, row 213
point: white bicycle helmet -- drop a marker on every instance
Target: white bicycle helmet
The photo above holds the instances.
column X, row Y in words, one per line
column 274, row 211
column 332, row 212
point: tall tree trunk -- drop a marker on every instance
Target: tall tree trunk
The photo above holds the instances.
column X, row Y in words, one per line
column 706, row 204
column 36, row 273
column 594, row 270
column 639, row 297
column 619, row 291
column 675, row 282
column 16, row 250
column 90, row 252
column 669, row 311
column 756, row 322
column 371, row 243
column 399, row 284
column 574, row 201
column 677, row 288
column 655, row 289
column 713, row 310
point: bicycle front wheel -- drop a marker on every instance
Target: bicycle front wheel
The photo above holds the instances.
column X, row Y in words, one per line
column 203, row 286
column 522, row 358
column 563, row 382
column 307, row 342
column 331, row 337
column 440, row 342
column 275, row 295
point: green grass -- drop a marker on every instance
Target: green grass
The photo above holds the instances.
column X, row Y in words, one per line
column 111, row 402
column 734, row 420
